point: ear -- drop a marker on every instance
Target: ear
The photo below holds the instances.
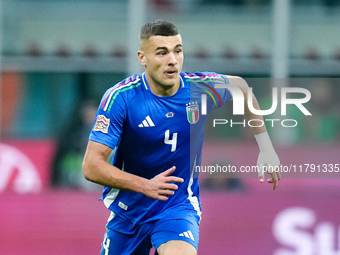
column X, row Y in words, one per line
column 141, row 57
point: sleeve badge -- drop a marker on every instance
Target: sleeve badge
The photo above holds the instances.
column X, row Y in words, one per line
column 102, row 124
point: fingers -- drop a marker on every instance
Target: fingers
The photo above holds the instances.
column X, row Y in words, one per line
column 268, row 160
column 174, row 179
column 276, row 176
column 260, row 174
column 278, row 173
column 275, row 182
column 163, row 185
column 166, row 173
column 164, row 193
column 169, row 171
column 169, row 186
column 162, row 197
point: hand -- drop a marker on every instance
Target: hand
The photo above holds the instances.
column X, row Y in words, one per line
column 269, row 161
column 160, row 187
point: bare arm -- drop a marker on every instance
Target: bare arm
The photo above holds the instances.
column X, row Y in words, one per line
column 267, row 156
column 96, row 169
column 243, row 86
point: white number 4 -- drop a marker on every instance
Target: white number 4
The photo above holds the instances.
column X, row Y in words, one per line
column 106, row 245
column 172, row 142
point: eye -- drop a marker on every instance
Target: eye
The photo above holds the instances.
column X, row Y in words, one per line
column 178, row 51
column 161, row 53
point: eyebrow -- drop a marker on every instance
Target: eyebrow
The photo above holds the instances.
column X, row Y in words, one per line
column 165, row 48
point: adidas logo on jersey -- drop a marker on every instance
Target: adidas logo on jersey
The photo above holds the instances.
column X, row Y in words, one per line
column 188, row 234
column 147, row 122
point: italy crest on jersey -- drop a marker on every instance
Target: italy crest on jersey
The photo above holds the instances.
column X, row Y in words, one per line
column 192, row 112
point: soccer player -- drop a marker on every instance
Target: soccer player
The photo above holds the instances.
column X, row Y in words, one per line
column 153, row 125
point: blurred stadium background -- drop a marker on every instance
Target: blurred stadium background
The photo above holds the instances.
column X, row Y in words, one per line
column 57, row 58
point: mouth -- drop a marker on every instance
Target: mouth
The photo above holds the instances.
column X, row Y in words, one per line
column 171, row 73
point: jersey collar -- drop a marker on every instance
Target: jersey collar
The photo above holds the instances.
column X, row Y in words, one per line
column 146, row 85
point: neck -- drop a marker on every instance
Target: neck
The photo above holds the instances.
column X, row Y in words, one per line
column 162, row 90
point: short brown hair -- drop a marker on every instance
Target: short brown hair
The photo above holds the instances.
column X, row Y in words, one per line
column 158, row 27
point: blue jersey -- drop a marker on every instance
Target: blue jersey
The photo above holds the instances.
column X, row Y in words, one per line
column 150, row 134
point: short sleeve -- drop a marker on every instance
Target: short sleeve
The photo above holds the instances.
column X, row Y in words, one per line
column 108, row 126
column 222, row 95
column 225, row 93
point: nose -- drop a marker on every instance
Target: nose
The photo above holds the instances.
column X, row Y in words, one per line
column 172, row 59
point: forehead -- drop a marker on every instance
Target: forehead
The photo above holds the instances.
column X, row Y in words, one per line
column 163, row 41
